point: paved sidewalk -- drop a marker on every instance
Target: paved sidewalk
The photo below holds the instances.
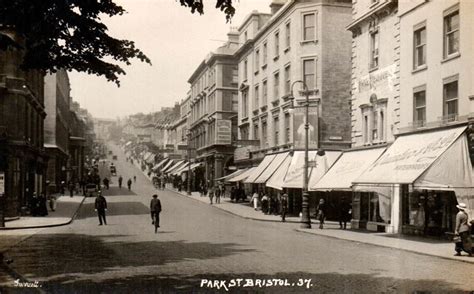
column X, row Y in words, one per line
column 425, row 246
column 65, row 211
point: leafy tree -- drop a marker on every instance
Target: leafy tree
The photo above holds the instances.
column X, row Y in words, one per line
column 69, row 34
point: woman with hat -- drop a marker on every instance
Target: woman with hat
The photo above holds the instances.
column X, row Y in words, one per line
column 463, row 230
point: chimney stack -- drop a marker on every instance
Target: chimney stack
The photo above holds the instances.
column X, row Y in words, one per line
column 276, row 5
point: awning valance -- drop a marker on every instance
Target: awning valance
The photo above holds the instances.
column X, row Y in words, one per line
column 242, row 176
column 272, row 167
column 260, row 168
column 347, row 168
column 409, row 157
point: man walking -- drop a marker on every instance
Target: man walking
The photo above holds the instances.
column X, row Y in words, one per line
column 101, row 208
column 463, row 230
column 284, row 206
column 155, row 209
column 129, row 184
column 120, row 179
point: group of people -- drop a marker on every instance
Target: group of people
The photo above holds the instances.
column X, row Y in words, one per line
column 271, row 205
column 216, row 192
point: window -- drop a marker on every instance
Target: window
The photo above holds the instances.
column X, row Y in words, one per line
column 265, row 52
column 257, row 59
column 451, row 34
column 366, row 129
column 287, row 128
column 419, row 108
column 235, row 76
column 235, row 102
column 374, row 49
column 309, row 31
column 244, row 132
column 276, row 128
column 264, row 134
column 382, row 125
column 277, row 44
column 419, row 43
column 450, row 94
column 264, row 93
column 255, row 132
column 276, row 86
column 309, row 73
column 288, row 35
column 256, row 95
column 245, row 103
column 245, row 70
column 375, row 124
column 287, row 79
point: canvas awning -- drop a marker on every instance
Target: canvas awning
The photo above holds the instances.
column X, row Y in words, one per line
column 182, row 168
column 276, row 180
column 128, row 143
column 436, row 160
column 159, row 164
column 271, row 168
column 409, row 156
column 260, row 168
column 346, row 169
column 294, row 176
column 151, row 158
column 234, row 174
column 168, row 165
column 173, row 167
column 243, row 175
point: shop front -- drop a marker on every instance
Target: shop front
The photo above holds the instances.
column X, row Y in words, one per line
column 414, row 186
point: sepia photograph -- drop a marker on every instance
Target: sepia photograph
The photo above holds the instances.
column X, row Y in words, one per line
column 236, row 146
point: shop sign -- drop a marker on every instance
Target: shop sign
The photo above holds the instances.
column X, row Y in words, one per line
column 299, row 127
column 2, row 183
column 383, row 78
column 223, row 131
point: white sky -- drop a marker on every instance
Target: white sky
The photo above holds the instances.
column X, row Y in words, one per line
column 175, row 40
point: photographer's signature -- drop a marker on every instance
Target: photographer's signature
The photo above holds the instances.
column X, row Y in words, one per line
column 20, row 284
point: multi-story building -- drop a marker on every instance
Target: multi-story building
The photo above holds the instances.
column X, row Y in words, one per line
column 299, row 41
column 425, row 85
column 76, row 147
column 56, row 127
column 22, row 113
column 213, row 109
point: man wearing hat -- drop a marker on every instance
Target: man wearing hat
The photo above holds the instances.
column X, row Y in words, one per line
column 463, row 229
column 155, row 209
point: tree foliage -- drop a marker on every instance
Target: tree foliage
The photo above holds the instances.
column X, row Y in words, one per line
column 70, row 34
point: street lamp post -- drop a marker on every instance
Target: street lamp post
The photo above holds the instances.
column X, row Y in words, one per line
column 189, row 166
column 305, row 217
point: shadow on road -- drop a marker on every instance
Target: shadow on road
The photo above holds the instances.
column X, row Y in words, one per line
column 116, row 191
column 113, row 209
column 321, row 283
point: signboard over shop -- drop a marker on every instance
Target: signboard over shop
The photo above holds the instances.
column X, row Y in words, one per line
column 223, row 132
column 377, row 81
column 299, row 127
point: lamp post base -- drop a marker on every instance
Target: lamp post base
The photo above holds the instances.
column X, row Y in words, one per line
column 305, row 219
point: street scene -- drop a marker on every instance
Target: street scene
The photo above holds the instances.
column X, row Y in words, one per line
column 273, row 146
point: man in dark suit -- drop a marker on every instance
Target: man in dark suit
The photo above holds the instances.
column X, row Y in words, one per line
column 101, row 207
column 155, row 209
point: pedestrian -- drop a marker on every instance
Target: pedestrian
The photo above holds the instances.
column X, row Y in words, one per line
column 101, row 208
column 42, row 207
column 321, row 213
column 71, row 188
column 134, row 179
column 265, row 203
column 106, row 183
column 283, row 206
column 211, row 194
column 463, row 230
column 129, row 184
column 52, row 202
column 218, row 195
column 344, row 213
column 254, row 200
column 155, row 209
column 62, row 188
column 120, row 179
